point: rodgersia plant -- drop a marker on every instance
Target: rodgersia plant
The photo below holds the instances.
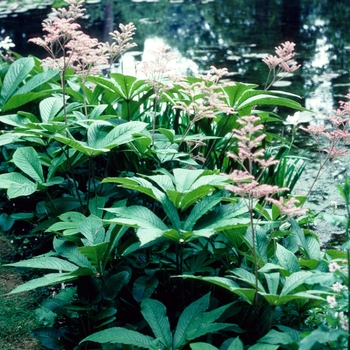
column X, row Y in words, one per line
column 281, row 64
column 331, row 138
column 126, row 235
column 121, row 43
column 160, row 71
column 68, row 47
column 205, row 98
column 249, row 157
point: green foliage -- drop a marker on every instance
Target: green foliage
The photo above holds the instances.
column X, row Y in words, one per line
column 194, row 322
column 120, row 194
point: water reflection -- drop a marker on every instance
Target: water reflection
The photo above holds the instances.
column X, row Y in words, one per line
column 227, row 33
column 321, row 99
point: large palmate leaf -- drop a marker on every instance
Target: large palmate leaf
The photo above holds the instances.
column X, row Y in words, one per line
column 49, row 108
column 17, row 185
column 115, row 283
column 247, row 277
column 154, row 313
column 119, row 135
column 27, row 159
column 295, row 280
column 144, row 287
column 48, row 280
column 95, row 254
column 80, row 146
column 127, row 87
column 203, row 346
column 144, row 186
column 50, row 263
column 201, row 208
column 13, row 96
column 119, row 335
column 308, row 244
column 252, row 98
column 272, row 280
column 92, row 230
column 247, row 294
column 189, row 315
column 150, row 226
column 287, row 259
column 17, row 72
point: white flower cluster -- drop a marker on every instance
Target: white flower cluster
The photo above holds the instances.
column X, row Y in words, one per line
column 337, row 302
column 6, row 44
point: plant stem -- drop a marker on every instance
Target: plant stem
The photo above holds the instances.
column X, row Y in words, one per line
column 348, row 251
column 250, row 207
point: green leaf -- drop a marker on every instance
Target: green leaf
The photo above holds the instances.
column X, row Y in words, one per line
column 96, row 133
column 49, row 337
column 19, row 100
column 150, row 226
column 49, row 107
column 17, row 72
column 294, row 280
column 6, row 139
column 275, row 337
column 202, row 346
column 50, row 263
column 128, row 86
column 92, row 229
column 184, row 179
column 204, row 329
column 213, row 315
column 96, row 206
column 321, row 335
column 15, row 119
column 115, row 283
column 235, row 92
column 191, row 312
column 137, row 216
column 97, row 111
column 237, row 344
column 122, row 134
column 247, row 277
column 47, row 280
column 245, row 293
column 105, row 313
column 136, row 184
column 143, row 287
column 308, row 244
column 313, row 248
column 69, row 251
column 287, row 259
column 17, row 185
column 28, row 161
column 272, row 280
column 308, row 295
column 95, row 254
column 260, row 346
column 200, row 209
column 118, row 335
column 80, row 146
column 36, row 81
column 155, row 314
column 266, row 99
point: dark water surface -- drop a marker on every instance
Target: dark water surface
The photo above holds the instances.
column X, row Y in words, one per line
column 226, row 33
column 235, row 34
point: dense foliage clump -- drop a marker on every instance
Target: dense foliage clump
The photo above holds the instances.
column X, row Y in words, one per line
column 154, row 207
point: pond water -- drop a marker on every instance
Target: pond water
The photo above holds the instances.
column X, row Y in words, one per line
column 235, row 34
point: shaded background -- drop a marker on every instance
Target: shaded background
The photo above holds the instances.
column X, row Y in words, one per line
column 226, row 33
